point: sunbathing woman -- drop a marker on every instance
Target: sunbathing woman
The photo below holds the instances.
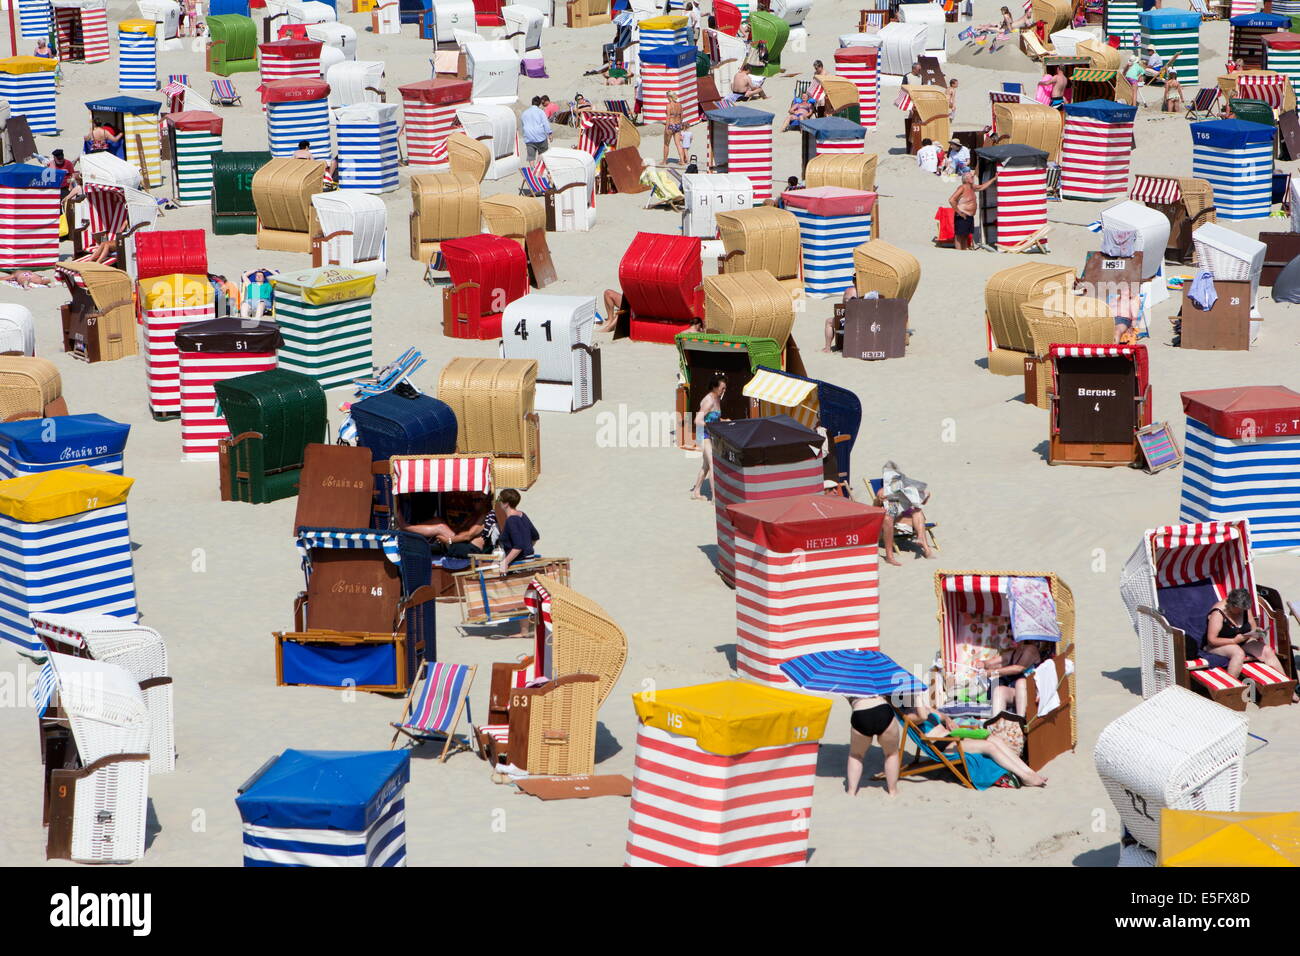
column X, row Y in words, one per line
column 1232, row 632
column 710, row 411
column 673, row 128
column 935, row 724
column 801, row 109
column 25, row 279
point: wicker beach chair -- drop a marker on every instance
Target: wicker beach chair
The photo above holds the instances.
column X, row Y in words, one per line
column 962, row 593
column 1174, row 750
column 139, row 650
column 273, row 417
column 434, row 715
column 95, row 737
column 550, row 730
column 888, row 270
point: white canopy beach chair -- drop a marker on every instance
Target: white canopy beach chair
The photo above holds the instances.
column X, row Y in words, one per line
column 355, row 81
column 494, row 68
column 495, row 126
column 95, row 737
column 558, row 332
column 354, row 230
column 1175, row 750
column 523, row 29
column 137, row 649
column 17, row 329
column 338, row 35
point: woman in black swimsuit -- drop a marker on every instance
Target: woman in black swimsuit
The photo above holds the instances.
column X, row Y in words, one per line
column 1232, row 632
column 873, row 719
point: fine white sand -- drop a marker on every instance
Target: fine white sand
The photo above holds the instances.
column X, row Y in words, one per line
column 217, row 578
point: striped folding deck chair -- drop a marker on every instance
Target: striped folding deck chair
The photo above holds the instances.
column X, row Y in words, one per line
column 434, row 714
column 1205, row 105
column 177, row 83
column 537, row 179
column 225, row 94
column 619, row 106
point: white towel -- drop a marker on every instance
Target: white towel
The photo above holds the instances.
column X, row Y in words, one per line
column 1046, row 677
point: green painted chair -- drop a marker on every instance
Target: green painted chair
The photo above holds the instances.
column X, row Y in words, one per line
column 232, row 44
column 273, row 417
column 233, row 211
column 773, row 32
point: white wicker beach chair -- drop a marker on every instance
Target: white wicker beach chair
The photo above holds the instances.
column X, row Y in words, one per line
column 1175, row 750
column 138, row 649
column 97, row 783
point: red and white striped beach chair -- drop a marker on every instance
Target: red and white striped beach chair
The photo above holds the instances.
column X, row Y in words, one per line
column 225, row 94
column 434, row 714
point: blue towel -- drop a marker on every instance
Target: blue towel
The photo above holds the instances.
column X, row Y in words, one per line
column 1202, row 292
column 983, row 771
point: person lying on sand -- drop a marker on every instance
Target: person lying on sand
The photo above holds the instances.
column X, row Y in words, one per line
column 25, row 279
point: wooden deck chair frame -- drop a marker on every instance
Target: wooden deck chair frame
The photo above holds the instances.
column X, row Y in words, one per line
column 1199, row 6
column 1212, row 108
column 221, row 99
column 954, row 763
column 1038, row 241
column 1032, row 46
column 450, row 744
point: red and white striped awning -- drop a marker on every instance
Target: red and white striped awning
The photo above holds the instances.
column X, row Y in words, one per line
column 71, row 276
column 979, row 594
column 1186, row 535
column 1156, row 189
column 107, row 206
column 903, row 100
column 1267, row 88
column 538, row 601
column 436, row 473
column 1093, row 351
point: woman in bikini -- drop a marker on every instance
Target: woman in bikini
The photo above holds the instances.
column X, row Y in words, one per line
column 710, row 411
column 673, row 127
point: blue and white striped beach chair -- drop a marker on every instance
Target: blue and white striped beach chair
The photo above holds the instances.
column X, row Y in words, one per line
column 434, row 714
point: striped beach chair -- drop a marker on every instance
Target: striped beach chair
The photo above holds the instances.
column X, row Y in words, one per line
column 225, row 94
column 1205, row 105
column 434, row 714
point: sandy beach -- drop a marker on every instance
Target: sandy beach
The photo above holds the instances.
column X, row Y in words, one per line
column 216, row 578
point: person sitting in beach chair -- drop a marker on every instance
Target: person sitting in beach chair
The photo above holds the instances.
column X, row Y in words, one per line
column 464, row 528
column 1010, row 675
column 902, row 498
column 978, row 763
column 801, row 108
column 1233, row 635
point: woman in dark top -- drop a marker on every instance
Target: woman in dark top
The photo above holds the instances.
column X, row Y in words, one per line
column 518, row 533
column 1232, row 632
column 1009, row 674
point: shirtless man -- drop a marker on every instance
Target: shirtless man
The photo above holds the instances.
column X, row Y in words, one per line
column 742, row 84
column 1059, row 83
column 963, row 202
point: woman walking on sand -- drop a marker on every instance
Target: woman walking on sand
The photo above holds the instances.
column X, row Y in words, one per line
column 673, row 127
column 710, row 411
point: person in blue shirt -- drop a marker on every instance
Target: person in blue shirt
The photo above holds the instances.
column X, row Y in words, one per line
column 537, row 129
column 258, row 297
column 518, row 533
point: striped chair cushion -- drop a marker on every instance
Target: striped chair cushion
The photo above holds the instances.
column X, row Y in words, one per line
column 1263, row 674
column 1215, row 678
